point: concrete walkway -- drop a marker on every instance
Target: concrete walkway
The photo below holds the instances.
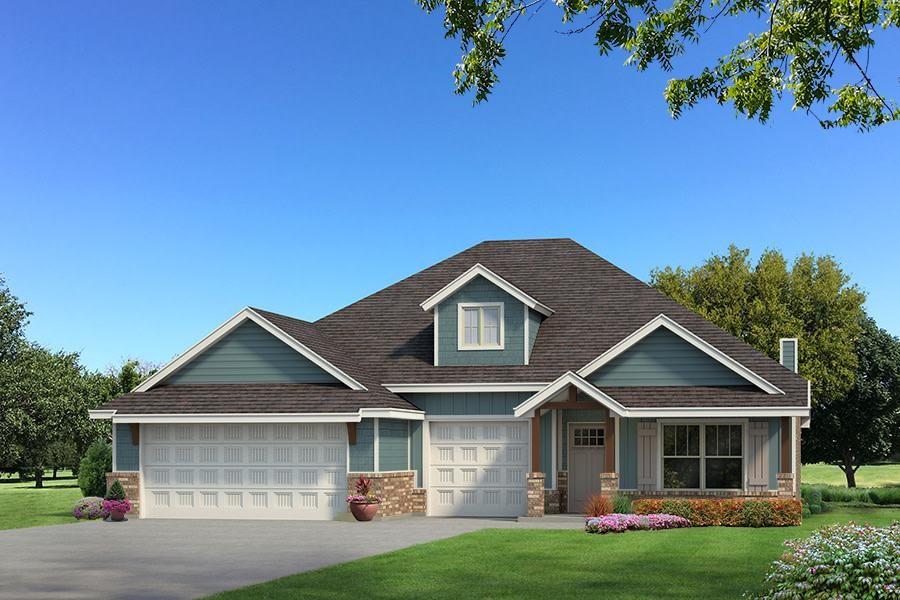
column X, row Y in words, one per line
column 168, row 558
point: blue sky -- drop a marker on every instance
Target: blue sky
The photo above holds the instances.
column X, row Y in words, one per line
column 164, row 164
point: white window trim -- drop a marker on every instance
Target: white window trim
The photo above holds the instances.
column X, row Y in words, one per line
column 461, row 308
column 795, row 366
column 661, row 423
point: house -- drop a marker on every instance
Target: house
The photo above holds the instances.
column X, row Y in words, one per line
column 514, row 378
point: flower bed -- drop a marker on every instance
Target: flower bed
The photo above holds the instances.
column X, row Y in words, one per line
column 617, row 523
column 736, row 512
column 90, row 508
column 839, row 561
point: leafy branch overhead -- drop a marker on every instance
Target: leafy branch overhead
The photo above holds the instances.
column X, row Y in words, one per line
column 816, row 50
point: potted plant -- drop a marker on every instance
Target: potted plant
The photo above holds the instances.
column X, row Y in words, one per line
column 116, row 503
column 364, row 503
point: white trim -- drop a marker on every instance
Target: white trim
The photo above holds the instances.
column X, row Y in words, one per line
column 688, row 336
column 717, row 411
column 141, row 467
column 470, row 418
column 616, row 443
column 527, row 408
column 435, row 388
column 525, row 327
column 553, row 459
column 376, row 444
column 436, row 338
column 473, row 272
column 794, row 453
column 781, row 342
column 392, row 413
column 225, row 328
column 409, row 449
column 241, row 418
column 101, row 414
column 461, row 308
column 426, row 455
column 114, row 448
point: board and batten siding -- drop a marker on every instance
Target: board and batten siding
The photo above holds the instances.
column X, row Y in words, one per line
column 534, row 324
column 547, row 449
column 128, row 454
column 362, row 453
column 664, row 359
column 628, row 442
column 481, row 290
column 393, row 445
column 468, row 403
column 250, row 354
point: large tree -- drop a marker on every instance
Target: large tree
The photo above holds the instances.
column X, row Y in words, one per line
column 816, row 50
column 862, row 426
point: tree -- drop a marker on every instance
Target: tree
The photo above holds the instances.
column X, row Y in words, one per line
column 862, row 426
column 812, row 301
column 97, row 462
column 816, row 50
column 13, row 319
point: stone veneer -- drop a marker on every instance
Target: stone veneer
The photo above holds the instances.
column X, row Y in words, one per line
column 131, row 482
column 609, row 484
column 562, row 486
column 395, row 488
column 535, row 495
column 785, row 485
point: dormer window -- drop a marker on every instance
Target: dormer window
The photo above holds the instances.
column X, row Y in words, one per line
column 481, row 326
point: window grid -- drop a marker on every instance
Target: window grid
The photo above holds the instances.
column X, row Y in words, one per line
column 481, row 326
column 701, row 442
column 590, row 437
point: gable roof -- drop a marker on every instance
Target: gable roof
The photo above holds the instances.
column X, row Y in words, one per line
column 479, row 270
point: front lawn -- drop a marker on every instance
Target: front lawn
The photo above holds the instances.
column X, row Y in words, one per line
column 713, row 562
column 867, row 476
column 21, row 505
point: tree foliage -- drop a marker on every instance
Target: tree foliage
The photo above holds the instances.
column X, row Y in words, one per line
column 97, row 462
column 862, row 426
column 815, row 50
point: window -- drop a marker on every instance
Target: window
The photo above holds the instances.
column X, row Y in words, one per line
column 587, row 437
column 703, row 456
column 481, row 326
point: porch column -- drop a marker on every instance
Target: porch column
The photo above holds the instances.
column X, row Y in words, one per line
column 536, row 442
column 610, row 444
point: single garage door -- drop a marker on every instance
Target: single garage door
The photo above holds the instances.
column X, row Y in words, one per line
column 477, row 469
column 245, row 471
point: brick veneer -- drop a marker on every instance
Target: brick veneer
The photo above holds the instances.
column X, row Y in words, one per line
column 562, row 486
column 635, row 494
column 131, row 482
column 396, row 490
column 551, row 502
column 419, row 500
column 609, row 484
column 535, row 495
column 785, row 485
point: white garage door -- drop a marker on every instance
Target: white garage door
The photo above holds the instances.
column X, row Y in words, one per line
column 478, row 469
column 245, row 471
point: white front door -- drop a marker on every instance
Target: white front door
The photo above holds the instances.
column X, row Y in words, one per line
column 477, row 468
column 586, row 460
column 244, row 470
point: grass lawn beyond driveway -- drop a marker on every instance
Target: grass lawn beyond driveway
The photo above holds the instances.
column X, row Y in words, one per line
column 710, row 562
column 21, row 505
column 867, row 476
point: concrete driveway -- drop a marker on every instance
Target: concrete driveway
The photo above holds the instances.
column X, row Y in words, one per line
column 162, row 558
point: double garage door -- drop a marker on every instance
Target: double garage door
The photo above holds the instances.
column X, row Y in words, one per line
column 477, row 468
column 245, row 471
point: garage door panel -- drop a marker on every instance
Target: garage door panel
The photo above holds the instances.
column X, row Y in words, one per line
column 478, row 468
column 290, row 470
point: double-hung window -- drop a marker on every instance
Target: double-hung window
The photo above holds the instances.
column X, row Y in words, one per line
column 707, row 456
column 481, row 326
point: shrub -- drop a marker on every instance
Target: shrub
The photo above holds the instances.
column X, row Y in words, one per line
column 115, row 491
column 617, row 523
column 89, row 508
column 598, row 505
column 839, row 561
column 887, row 495
column 92, row 470
column 621, row 505
column 730, row 512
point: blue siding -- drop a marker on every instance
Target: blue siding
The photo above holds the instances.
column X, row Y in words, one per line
column 481, row 290
column 547, row 448
column 393, row 445
column 663, row 358
column 774, row 451
column 534, row 325
column 128, row 454
column 250, row 354
column 362, row 453
column 628, row 453
column 415, row 434
column 468, row 403
column 574, row 416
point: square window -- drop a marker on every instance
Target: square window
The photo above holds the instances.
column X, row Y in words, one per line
column 480, row 326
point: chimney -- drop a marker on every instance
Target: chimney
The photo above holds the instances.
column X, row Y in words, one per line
column 788, row 354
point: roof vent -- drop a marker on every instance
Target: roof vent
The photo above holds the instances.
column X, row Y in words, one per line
column 788, row 355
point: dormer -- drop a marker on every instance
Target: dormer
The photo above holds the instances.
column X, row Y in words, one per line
column 481, row 318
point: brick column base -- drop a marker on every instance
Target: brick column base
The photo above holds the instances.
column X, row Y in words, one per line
column 562, row 485
column 131, row 482
column 395, row 490
column 535, row 495
column 551, row 502
column 785, row 485
column 419, row 500
column 609, row 484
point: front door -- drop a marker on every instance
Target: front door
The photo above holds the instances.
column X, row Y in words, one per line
column 586, row 459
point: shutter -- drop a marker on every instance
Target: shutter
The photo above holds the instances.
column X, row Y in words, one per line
column 646, row 454
column 758, row 457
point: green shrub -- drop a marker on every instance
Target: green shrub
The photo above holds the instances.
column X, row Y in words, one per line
column 806, row 510
column 815, row 508
column 115, row 491
column 887, row 495
column 727, row 512
column 92, row 470
column 756, row 513
column 622, row 505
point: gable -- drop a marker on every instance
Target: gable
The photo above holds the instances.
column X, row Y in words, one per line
column 250, row 354
column 662, row 358
column 480, row 290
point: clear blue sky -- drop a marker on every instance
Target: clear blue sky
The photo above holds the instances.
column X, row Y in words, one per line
column 164, row 164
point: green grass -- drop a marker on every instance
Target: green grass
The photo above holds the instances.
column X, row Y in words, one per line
column 712, row 562
column 21, row 505
column 867, row 476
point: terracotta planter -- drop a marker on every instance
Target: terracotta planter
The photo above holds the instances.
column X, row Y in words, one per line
column 116, row 515
column 362, row 511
